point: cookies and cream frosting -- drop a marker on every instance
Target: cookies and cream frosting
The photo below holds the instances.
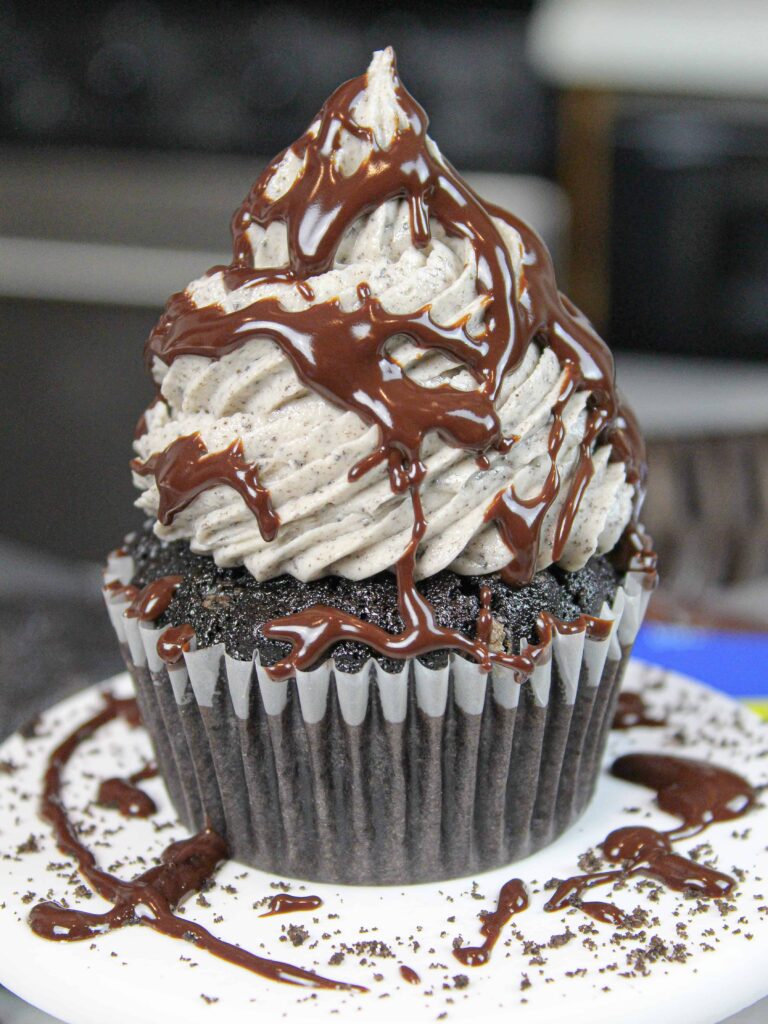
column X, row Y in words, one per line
column 499, row 408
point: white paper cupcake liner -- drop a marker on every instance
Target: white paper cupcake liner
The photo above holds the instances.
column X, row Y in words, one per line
column 374, row 777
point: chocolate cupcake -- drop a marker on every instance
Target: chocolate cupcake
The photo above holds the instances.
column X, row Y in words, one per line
column 379, row 615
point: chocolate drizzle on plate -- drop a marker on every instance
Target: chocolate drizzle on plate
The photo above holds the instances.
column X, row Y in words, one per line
column 698, row 793
column 632, row 712
column 513, row 899
column 125, row 796
column 341, row 355
column 408, row 974
column 285, row 903
column 152, row 898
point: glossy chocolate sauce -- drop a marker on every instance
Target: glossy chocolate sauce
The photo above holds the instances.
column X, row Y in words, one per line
column 285, row 903
column 698, row 793
column 313, row 631
column 513, row 899
column 341, row 355
column 126, row 591
column 632, row 712
column 186, row 468
column 153, row 600
column 485, row 618
column 152, row 898
column 125, row 795
column 408, row 974
column 173, row 642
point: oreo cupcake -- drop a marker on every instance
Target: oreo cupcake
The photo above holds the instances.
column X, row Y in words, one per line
column 392, row 570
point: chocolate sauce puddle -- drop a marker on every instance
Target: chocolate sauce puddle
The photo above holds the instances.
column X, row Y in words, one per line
column 698, row 793
column 285, row 903
column 632, row 712
column 513, row 899
column 341, row 355
column 125, row 796
column 152, row 898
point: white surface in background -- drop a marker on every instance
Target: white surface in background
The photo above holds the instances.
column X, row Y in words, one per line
column 136, row 976
column 708, row 47
column 124, row 275
column 138, row 275
column 683, row 397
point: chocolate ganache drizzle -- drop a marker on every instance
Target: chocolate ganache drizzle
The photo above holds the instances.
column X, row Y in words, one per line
column 286, row 903
column 340, row 353
column 513, row 899
column 632, row 713
column 152, row 600
column 152, row 898
column 186, row 468
column 698, row 793
column 126, row 796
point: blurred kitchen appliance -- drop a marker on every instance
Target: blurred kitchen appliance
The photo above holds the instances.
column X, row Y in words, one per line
column 688, row 249
column 664, row 155
column 245, row 77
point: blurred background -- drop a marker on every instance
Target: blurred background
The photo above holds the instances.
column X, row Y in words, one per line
column 633, row 134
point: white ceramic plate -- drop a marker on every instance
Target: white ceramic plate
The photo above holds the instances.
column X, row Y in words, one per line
column 136, row 975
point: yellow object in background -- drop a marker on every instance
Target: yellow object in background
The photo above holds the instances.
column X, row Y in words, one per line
column 760, row 707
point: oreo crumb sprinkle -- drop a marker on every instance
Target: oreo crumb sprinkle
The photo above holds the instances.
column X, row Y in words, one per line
column 29, row 846
column 297, row 934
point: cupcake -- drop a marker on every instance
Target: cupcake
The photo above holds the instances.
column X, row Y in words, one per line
column 392, row 568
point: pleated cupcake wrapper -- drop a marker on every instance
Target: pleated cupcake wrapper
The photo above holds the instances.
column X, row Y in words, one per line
column 375, row 777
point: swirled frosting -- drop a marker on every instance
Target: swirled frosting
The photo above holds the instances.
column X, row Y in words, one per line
column 397, row 258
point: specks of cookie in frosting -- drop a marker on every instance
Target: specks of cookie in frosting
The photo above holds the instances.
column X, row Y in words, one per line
column 411, row 257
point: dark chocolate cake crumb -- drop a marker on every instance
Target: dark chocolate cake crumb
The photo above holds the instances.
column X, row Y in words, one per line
column 229, row 606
